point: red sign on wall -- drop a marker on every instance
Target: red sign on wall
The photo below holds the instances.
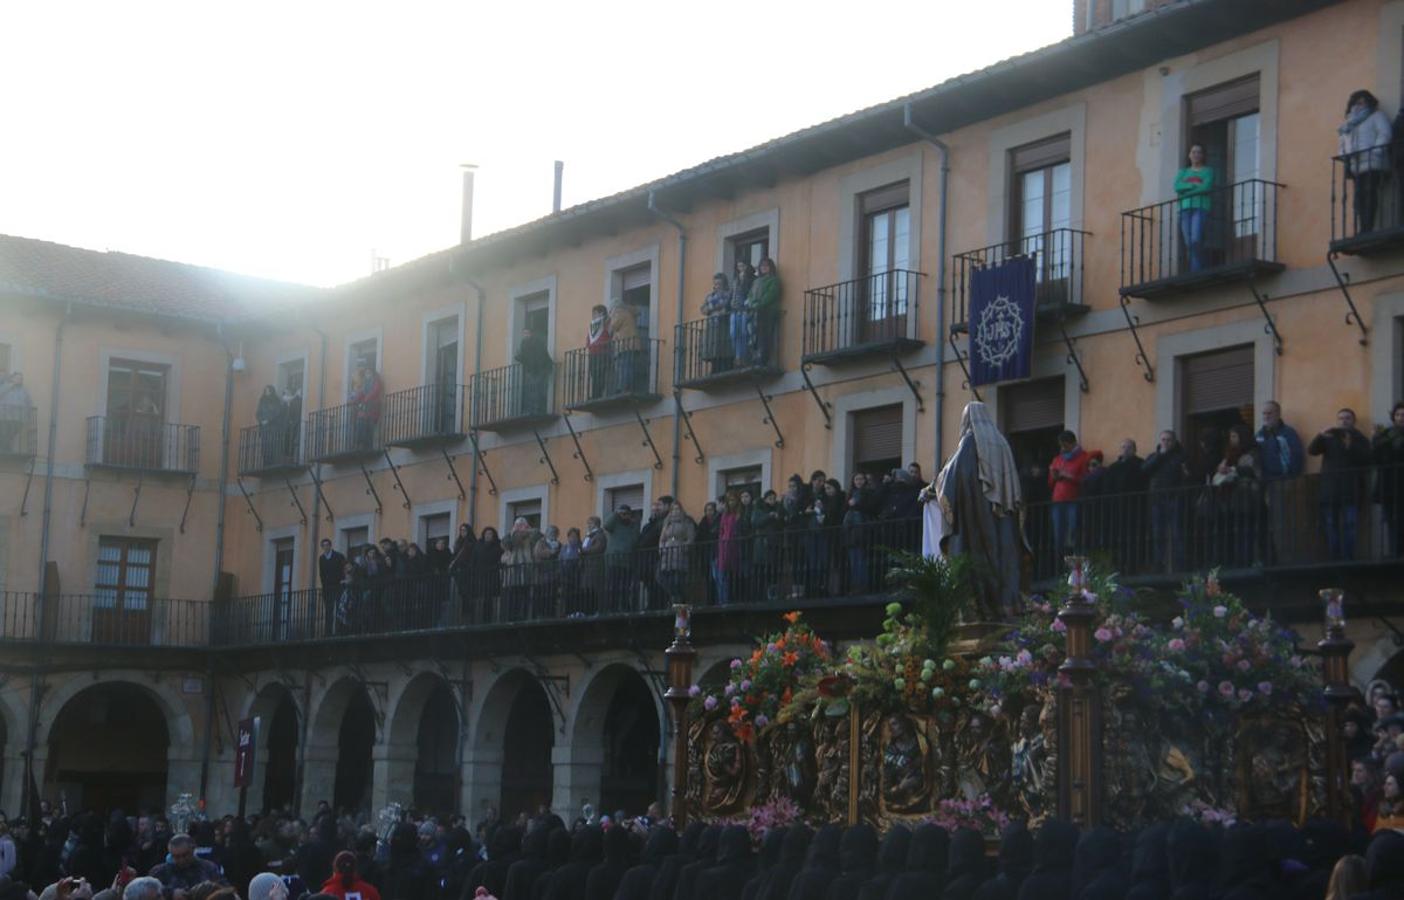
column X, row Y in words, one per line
column 244, row 752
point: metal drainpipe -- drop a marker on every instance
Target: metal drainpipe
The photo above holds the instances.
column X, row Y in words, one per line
column 940, row 270
column 47, row 519
column 472, row 398
column 223, row 458
column 316, row 494
column 682, row 281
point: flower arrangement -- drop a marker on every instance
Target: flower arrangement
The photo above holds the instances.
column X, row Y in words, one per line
column 758, row 688
column 980, row 814
column 780, row 812
column 1209, row 815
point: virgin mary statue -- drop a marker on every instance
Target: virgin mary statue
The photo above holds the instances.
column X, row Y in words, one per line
column 974, row 508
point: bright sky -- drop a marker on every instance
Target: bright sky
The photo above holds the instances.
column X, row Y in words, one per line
column 290, row 139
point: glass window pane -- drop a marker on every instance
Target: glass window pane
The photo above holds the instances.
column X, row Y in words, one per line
column 134, row 600
column 139, row 556
column 104, row 598
column 877, row 243
column 109, row 552
column 901, row 238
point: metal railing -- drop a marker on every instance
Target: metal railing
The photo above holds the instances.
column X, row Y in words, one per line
column 1199, row 238
column 105, row 619
column 351, row 429
column 271, row 447
column 624, row 369
column 1058, row 271
column 784, row 565
column 1344, row 518
column 877, row 310
column 706, row 349
column 19, row 431
column 1366, row 201
column 426, row 413
column 508, row 394
column 135, row 442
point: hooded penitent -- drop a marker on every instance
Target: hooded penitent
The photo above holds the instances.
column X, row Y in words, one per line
column 965, row 866
column 665, row 883
column 734, row 867
column 820, row 866
column 1016, row 854
column 605, row 876
column 1053, row 860
column 857, row 861
column 892, row 861
column 706, row 858
column 925, row 876
column 792, row 856
column 638, row 881
column 772, row 846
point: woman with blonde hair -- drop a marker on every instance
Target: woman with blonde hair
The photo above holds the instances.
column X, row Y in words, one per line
column 1348, row 878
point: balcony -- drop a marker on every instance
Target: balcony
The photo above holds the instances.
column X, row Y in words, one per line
column 346, row 433
column 108, row 619
column 19, row 432
column 1369, row 221
column 706, row 359
column 141, row 444
column 424, row 416
column 862, row 318
column 1237, row 242
column 270, row 450
column 508, row 398
column 625, row 374
column 1058, row 272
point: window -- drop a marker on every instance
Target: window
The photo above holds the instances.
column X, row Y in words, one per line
column 364, row 354
column 1123, row 8
column 1224, row 120
column 354, row 540
column 433, row 527
column 532, row 311
column 283, row 549
column 636, row 291
column 523, row 509
column 631, row 495
column 1042, row 203
column 122, row 590
column 442, row 358
column 136, row 410
column 1032, row 418
column 1216, row 393
column 753, row 246
column 877, row 440
column 884, row 249
column 738, row 480
column 291, row 376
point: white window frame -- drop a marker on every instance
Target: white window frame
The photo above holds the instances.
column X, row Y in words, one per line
column 506, row 498
column 458, row 312
column 270, row 556
column 614, row 268
column 1171, row 348
column 515, row 295
column 614, row 480
column 1070, row 120
column 356, row 337
column 766, row 220
column 437, row 508
column 171, row 411
column 717, row 466
column 841, row 449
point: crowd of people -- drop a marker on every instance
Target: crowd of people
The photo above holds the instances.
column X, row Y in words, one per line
column 817, row 539
column 602, row 857
column 1236, row 494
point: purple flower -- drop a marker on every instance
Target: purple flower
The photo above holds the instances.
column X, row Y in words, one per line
column 762, row 720
column 1244, row 665
column 730, row 689
column 1102, row 634
column 1203, row 687
column 1265, row 688
column 695, row 690
column 1220, row 612
column 746, row 684
column 1245, row 695
column 1058, row 626
column 1226, row 689
column 735, row 664
column 710, row 703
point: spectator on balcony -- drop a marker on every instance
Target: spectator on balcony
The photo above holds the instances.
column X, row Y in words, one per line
column 1365, row 138
column 486, row 568
column 271, row 415
column 365, row 404
column 546, row 572
column 536, row 364
column 623, row 532
column 626, row 346
column 461, row 565
column 597, row 349
column 593, row 545
column 766, row 527
column 331, row 570
column 1096, row 535
column 716, row 330
column 414, row 592
column 1388, row 452
column 863, row 505
column 1193, row 185
column 1281, row 456
column 762, row 309
column 729, row 540
column 740, row 293
column 794, row 505
column 517, row 550
column 1345, row 460
column 1238, row 498
column 825, row 521
column 646, row 551
column 674, row 552
column 1066, row 472
column 570, row 561
column 1126, row 484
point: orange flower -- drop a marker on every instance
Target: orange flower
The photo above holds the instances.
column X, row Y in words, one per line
column 789, row 659
column 744, row 731
column 755, row 657
column 780, row 642
column 738, row 715
column 786, row 697
column 792, row 617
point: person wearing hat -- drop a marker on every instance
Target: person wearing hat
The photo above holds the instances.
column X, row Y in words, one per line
column 345, row 881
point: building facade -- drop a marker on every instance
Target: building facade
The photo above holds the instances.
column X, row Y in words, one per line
column 159, row 533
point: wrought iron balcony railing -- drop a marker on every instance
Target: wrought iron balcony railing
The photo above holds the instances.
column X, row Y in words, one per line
column 623, row 372
column 1367, row 211
column 511, row 397
column 19, row 431
column 876, row 314
column 428, row 414
column 142, row 444
column 726, row 348
column 342, row 433
column 1227, row 234
column 270, row 449
column 110, row 619
column 1058, row 272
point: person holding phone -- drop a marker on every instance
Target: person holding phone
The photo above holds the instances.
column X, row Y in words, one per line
column 1346, row 457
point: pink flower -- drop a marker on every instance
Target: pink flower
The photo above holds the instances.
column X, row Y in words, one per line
column 1244, row 665
column 1245, row 695
column 1220, row 612
column 1203, row 687
column 1102, row 634
column 746, row 684
column 1226, row 689
column 1024, row 658
column 1265, row 688
column 710, row 703
column 695, row 690
column 730, row 689
column 1058, row 626
column 735, row 664
column 1176, row 644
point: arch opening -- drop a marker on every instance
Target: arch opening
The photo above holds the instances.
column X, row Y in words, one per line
column 436, row 762
column 127, row 768
column 351, row 789
column 629, row 780
column 280, row 762
column 527, row 741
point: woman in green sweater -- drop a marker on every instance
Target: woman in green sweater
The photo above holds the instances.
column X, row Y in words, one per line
column 1193, row 185
column 762, row 308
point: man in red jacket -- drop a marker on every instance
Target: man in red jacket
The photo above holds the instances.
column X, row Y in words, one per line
column 1065, row 475
column 345, row 882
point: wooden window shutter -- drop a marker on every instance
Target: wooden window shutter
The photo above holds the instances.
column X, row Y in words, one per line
column 1033, row 405
column 630, row 495
column 890, row 197
column 1049, row 152
column 1215, row 381
column 877, row 434
column 1226, row 101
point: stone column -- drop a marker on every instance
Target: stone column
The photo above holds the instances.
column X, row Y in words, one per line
column 392, row 775
column 482, row 781
column 318, row 777
column 578, row 771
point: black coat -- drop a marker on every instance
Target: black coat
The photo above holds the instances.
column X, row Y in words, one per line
column 1150, row 865
column 1385, row 863
column 1165, row 470
column 733, row 869
column 820, row 865
column 522, row 874
column 925, row 876
column 772, row 849
column 1343, row 466
column 707, row 847
column 670, row 869
column 1054, row 846
column 892, row 861
column 1192, row 857
column 1016, row 847
column 638, row 881
column 965, row 865
column 586, row 851
column 604, row 878
column 857, row 861
column 792, row 854
column 331, row 570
